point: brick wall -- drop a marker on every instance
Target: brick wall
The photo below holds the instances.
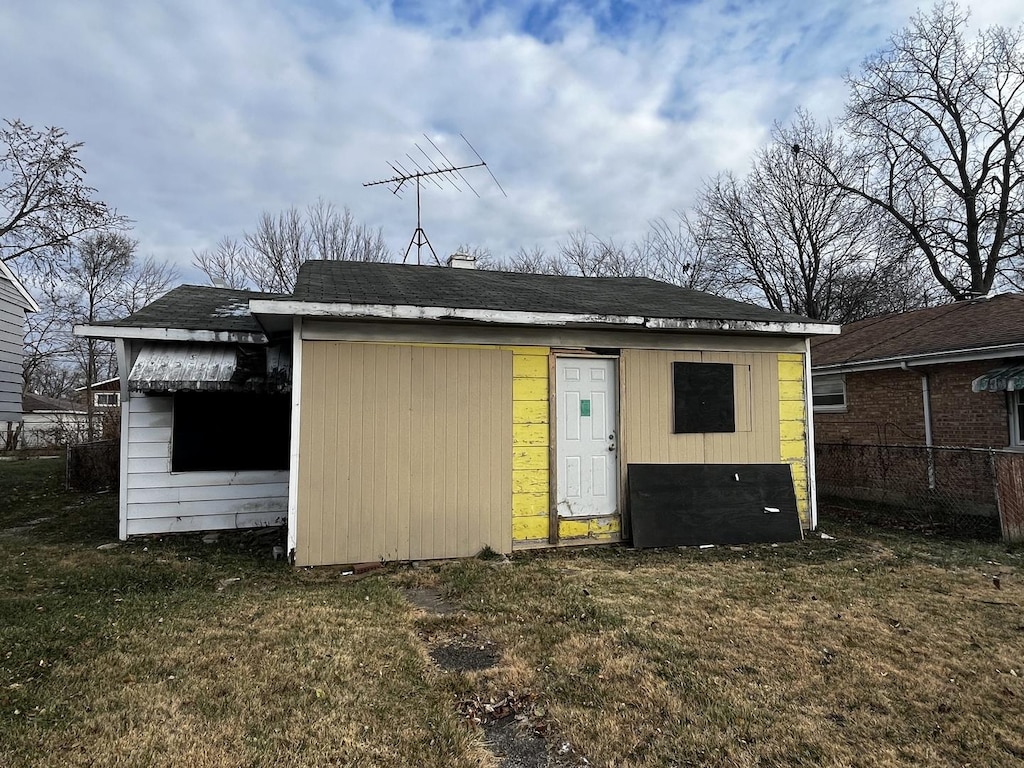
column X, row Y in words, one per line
column 963, row 417
column 886, row 408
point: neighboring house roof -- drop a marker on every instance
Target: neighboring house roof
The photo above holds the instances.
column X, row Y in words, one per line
column 398, row 291
column 105, row 385
column 978, row 329
column 33, row 403
column 26, row 301
column 189, row 313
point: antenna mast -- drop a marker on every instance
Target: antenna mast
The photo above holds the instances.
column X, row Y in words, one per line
column 438, row 173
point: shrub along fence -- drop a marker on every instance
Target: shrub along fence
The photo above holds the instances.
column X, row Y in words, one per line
column 93, row 466
column 961, row 491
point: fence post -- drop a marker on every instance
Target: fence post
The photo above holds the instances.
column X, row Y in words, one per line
column 1010, row 496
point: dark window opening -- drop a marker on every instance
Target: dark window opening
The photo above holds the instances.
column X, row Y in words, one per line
column 230, row 431
column 703, row 398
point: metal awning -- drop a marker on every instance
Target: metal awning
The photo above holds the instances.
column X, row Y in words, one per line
column 210, row 367
column 1008, row 379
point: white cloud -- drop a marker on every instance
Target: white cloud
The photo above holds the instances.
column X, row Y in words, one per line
column 198, row 115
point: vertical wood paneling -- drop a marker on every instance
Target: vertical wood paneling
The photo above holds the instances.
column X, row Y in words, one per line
column 418, row 441
column 647, row 410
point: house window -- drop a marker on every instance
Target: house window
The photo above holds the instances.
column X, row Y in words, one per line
column 108, row 398
column 230, row 431
column 829, row 394
column 703, row 398
column 1016, row 404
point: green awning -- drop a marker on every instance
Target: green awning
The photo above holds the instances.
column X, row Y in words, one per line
column 1000, row 380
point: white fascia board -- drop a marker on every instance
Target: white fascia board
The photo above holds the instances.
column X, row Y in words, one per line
column 97, row 383
column 510, row 317
column 930, row 358
column 6, row 272
column 168, row 334
column 746, row 326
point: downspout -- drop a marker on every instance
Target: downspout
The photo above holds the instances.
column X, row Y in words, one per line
column 812, row 482
column 926, row 400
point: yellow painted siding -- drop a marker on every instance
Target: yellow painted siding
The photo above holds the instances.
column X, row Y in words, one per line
column 390, row 468
column 526, row 529
column 531, row 438
column 647, row 410
column 595, row 529
column 793, row 427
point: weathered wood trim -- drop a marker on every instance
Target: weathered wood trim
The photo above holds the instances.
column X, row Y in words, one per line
column 552, row 448
column 346, row 310
column 565, row 338
column 293, row 456
column 122, row 496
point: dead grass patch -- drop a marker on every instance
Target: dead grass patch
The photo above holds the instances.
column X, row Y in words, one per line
column 872, row 650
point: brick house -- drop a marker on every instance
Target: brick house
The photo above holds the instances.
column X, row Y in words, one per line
column 924, row 410
column 941, row 376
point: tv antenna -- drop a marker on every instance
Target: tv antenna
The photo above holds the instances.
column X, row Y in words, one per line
column 437, row 169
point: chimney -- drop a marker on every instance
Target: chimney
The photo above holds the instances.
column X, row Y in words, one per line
column 460, row 260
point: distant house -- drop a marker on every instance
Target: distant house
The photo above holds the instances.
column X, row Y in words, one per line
column 942, row 376
column 50, row 422
column 398, row 412
column 104, row 394
column 15, row 301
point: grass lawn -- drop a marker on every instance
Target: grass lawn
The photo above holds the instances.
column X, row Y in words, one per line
column 870, row 649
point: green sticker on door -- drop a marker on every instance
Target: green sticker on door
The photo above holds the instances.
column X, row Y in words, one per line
column 584, row 407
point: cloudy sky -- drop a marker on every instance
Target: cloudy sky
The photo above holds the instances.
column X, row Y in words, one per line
column 198, row 114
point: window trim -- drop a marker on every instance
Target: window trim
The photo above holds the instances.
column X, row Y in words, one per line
column 685, row 424
column 831, row 407
column 1014, row 406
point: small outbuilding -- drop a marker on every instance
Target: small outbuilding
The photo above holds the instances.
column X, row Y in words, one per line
column 398, row 412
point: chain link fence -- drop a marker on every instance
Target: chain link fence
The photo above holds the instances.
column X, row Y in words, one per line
column 948, row 491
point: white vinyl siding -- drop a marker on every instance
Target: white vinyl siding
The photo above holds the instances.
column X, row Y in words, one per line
column 160, row 501
column 12, row 337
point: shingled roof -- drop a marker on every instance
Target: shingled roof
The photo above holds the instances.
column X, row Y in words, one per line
column 340, row 282
column 978, row 324
column 33, row 403
column 197, row 308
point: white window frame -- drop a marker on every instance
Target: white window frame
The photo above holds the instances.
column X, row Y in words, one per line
column 116, row 399
column 829, row 380
column 1014, row 408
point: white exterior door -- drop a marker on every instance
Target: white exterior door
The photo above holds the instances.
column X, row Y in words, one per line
column 587, row 445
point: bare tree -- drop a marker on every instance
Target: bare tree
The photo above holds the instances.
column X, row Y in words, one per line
column 224, row 264
column 269, row 257
column 679, row 252
column 44, row 201
column 534, row 260
column 670, row 251
column 937, row 127
column 102, row 278
column 788, row 236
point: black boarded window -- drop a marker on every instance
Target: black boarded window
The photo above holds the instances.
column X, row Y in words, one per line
column 703, row 398
column 230, row 431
